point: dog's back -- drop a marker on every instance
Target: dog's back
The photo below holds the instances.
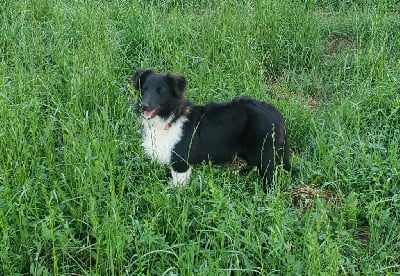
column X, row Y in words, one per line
column 250, row 129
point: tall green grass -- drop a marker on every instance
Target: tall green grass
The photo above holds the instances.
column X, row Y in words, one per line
column 78, row 195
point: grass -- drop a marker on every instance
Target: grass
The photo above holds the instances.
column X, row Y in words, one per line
column 78, row 195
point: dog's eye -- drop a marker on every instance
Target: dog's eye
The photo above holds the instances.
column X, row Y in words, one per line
column 158, row 90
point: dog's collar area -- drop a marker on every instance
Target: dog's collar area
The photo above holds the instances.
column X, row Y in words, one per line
column 167, row 126
column 168, row 123
column 172, row 119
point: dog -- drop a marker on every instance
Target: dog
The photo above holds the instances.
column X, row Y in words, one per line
column 178, row 133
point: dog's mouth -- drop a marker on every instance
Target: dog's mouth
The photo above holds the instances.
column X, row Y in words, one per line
column 148, row 114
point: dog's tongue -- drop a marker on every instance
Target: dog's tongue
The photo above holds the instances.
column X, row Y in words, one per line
column 149, row 113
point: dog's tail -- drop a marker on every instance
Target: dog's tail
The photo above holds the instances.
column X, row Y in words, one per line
column 286, row 159
column 289, row 168
column 294, row 170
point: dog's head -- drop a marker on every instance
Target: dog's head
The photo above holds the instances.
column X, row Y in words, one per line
column 159, row 94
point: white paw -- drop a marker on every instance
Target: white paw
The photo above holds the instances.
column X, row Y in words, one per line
column 180, row 179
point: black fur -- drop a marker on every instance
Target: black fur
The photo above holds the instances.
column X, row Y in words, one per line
column 248, row 128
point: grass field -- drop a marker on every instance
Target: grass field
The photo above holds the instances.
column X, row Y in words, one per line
column 78, row 196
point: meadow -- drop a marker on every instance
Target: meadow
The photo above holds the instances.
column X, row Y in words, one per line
column 78, row 196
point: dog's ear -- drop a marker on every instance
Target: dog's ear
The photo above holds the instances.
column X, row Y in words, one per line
column 140, row 77
column 178, row 82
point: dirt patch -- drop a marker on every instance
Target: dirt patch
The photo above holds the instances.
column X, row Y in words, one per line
column 337, row 45
column 278, row 89
column 306, row 195
column 363, row 235
column 275, row 84
column 312, row 103
column 237, row 164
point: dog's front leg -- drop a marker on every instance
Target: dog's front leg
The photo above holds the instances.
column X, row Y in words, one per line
column 180, row 173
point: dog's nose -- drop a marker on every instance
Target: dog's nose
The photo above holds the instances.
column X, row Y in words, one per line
column 144, row 106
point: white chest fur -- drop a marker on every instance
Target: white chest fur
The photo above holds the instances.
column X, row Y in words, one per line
column 159, row 139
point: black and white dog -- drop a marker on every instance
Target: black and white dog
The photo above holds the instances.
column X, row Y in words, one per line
column 179, row 133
